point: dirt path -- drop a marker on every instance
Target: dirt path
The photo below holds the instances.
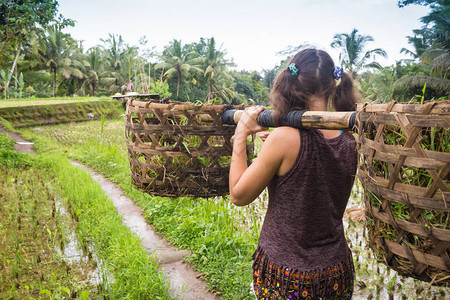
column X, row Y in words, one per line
column 184, row 281
column 21, row 144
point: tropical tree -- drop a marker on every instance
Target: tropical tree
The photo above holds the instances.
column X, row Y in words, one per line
column 421, row 42
column 5, row 78
column 222, row 88
column 353, row 56
column 269, row 77
column 177, row 62
column 96, row 74
column 57, row 52
column 437, row 22
column 438, row 78
column 432, row 44
column 114, row 47
column 378, row 85
column 20, row 18
column 216, row 68
column 251, row 86
column 129, row 62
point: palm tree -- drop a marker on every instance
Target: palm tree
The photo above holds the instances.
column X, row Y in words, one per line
column 57, row 52
column 221, row 86
column 434, row 54
column 129, row 59
column 114, row 47
column 115, row 52
column 378, row 85
column 438, row 80
column 353, row 57
column 178, row 62
column 438, row 18
column 421, row 41
column 216, row 71
column 269, row 77
column 96, row 73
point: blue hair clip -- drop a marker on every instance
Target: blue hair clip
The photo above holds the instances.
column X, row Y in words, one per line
column 293, row 69
column 337, row 74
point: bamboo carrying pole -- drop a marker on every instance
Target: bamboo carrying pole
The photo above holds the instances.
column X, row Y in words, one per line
column 299, row 119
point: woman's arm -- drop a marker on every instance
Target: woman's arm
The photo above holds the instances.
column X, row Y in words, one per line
column 246, row 183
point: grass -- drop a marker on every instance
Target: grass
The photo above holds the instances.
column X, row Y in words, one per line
column 127, row 270
column 221, row 237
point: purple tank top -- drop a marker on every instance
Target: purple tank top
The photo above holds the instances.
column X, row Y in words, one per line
column 303, row 227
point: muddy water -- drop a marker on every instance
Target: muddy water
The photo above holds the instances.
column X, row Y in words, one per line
column 72, row 252
column 183, row 281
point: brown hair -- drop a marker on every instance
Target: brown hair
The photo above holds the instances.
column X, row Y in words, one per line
column 314, row 78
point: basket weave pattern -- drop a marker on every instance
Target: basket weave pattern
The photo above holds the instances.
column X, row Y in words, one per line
column 178, row 148
column 404, row 168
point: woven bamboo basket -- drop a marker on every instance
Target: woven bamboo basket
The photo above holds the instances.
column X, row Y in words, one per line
column 404, row 169
column 178, row 148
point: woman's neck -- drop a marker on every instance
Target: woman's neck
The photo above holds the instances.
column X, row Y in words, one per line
column 320, row 104
column 317, row 103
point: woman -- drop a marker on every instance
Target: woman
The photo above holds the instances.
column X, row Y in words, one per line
column 302, row 251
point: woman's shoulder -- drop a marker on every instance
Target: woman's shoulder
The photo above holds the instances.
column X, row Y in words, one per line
column 285, row 132
column 284, row 137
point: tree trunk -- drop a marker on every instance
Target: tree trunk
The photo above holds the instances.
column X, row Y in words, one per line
column 14, row 64
column 178, row 86
column 210, row 92
column 54, row 83
column 16, row 71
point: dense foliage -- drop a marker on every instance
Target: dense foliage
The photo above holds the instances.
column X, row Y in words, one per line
column 39, row 59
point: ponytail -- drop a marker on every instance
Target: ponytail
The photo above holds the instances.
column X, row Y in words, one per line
column 287, row 94
column 345, row 96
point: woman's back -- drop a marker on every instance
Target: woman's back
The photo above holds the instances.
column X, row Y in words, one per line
column 307, row 203
column 302, row 248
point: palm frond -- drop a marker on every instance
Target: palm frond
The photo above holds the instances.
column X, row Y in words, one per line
column 162, row 65
column 429, row 55
column 440, row 85
column 373, row 65
column 408, row 52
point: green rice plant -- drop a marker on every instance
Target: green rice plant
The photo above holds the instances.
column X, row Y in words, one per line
column 6, row 143
column 8, row 156
column 102, row 126
column 134, row 271
column 129, row 271
column 29, row 235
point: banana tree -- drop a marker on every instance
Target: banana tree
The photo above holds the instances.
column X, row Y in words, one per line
column 6, row 78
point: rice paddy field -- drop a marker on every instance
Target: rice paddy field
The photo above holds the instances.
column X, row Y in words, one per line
column 220, row 236
column 47, row 101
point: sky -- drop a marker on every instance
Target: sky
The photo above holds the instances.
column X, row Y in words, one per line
column 251, row 32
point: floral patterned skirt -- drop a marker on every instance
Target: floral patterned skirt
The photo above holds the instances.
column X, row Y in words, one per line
column 273, row 282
